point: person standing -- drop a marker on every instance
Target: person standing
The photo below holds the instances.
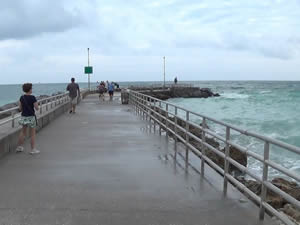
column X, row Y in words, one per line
column 111, row 90
column 27, row 105
column 74, row 94
column 175, row 80
column 101, row 91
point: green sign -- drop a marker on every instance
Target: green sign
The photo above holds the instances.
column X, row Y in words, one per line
column 88, row 70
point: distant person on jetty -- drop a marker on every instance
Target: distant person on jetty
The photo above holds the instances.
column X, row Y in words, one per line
column 111, row 90
column 175, row 80
column 27, row 104
column 101, row 89
column 74, row 94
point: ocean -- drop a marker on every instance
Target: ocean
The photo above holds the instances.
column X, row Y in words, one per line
column 270, row 108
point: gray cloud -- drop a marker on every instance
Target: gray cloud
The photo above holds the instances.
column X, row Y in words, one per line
column 51, row 37
column 22, row 19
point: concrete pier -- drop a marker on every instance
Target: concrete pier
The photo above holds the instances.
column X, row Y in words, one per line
column 102, row 165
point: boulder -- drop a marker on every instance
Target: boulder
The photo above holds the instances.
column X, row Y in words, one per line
column 179, row 92
column 6, row 107
column 291, row 211
column 290, row 187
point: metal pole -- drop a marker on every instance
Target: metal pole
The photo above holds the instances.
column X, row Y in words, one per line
column 164, row 71
column 89, row 85
column 187, row 137
column 203, row 147
column 167, row 117
column 175, row 129
column 13, row 119
column 263, row 196
column 160, row 119
column 226, row 166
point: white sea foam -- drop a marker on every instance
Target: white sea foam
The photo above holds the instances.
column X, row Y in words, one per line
column 265, row 92
column 234, row 96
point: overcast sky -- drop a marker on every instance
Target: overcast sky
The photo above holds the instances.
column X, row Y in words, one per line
column 47, row 40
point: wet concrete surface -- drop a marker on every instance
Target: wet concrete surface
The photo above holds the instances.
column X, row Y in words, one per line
column 104, row 166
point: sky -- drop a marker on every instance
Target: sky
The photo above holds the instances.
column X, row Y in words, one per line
column 46, row 40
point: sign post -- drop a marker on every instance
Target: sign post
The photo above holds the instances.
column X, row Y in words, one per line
column 164, row 71
column 88, row 69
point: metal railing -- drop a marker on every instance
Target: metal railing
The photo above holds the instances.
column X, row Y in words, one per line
column 45, row 105
column 165, row 115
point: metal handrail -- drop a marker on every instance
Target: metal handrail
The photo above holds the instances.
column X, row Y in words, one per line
column 159, row 112
column 43, row 103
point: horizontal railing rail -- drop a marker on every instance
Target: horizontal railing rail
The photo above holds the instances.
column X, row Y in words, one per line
column 45, row 104
column 166, row 116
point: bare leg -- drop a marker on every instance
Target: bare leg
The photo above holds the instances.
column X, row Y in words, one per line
column 22, row 136
column 32, row 133
column 73, row 108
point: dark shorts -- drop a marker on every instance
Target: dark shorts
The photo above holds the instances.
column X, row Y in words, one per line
column 111, row 93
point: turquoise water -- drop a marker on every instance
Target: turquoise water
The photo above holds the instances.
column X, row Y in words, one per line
column 11, row 93
column 266, row 107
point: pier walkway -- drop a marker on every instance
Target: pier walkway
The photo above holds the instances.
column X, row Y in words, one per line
column 103, row 166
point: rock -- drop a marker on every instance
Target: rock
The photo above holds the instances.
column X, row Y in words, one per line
column 6, row 107
column 178, row 92
column 289, row 187
column 253, row 185
column 238, row 156
column 291, row 211
column 275, row 200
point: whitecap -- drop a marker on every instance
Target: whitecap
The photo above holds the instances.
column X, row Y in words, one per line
column 234, row 96
column 265, row 92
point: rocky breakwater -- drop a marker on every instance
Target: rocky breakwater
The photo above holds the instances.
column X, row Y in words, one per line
column 275, row 200
column 180, row 92
column 15, row 104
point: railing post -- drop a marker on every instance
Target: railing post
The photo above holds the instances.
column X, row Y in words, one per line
column 226, row 162
column 264, row 179
column 167, row 115
column 203, row 147
column 160, row 117
column 145, row 108
column 154, row 115
column 136, row 104
column 47, row 104
column 41, row 108
column 187, row 137
column 13, row 119
column 140, row 104
column 133, row 103
column 175, row 130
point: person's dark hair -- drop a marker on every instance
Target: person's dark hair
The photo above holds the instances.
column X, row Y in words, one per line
column 73, row 79
column 27, row 87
